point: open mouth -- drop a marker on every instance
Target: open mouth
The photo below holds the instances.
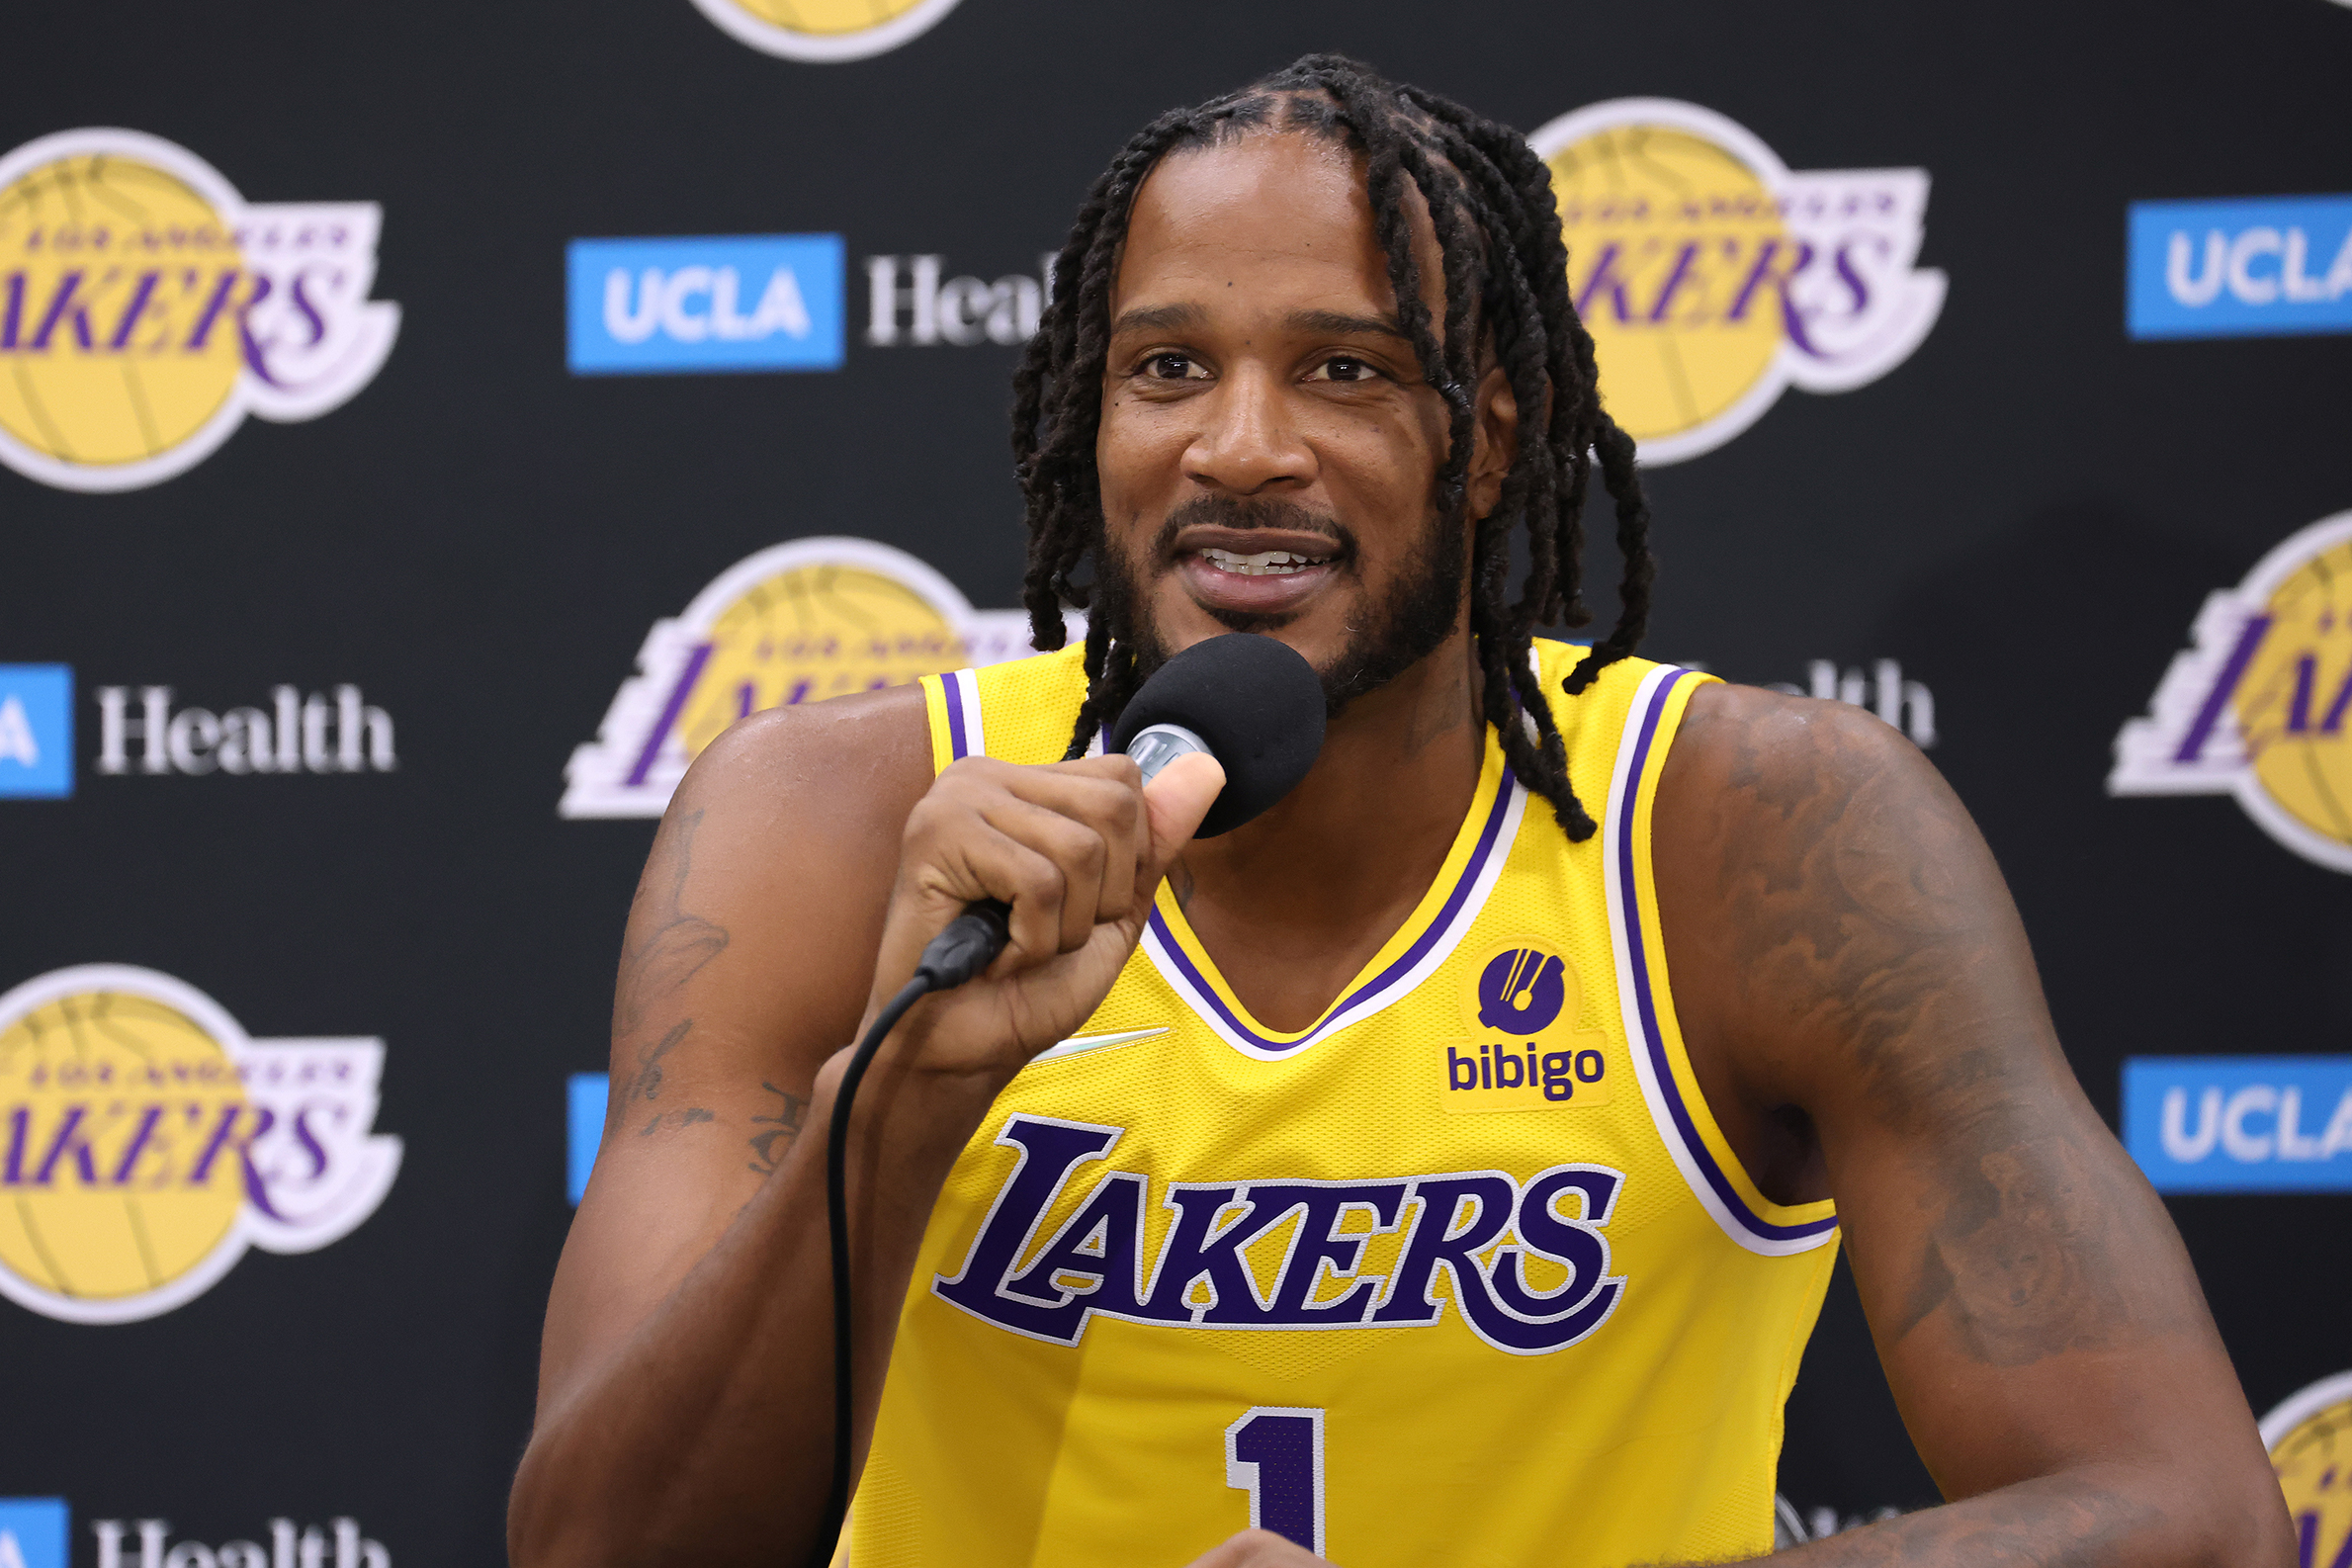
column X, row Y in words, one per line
column 1264, row 563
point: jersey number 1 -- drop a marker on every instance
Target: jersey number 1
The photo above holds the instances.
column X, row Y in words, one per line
column 1275, row 1452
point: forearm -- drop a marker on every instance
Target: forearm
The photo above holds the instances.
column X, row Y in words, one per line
column 705, row 1434
column 2096, row 1517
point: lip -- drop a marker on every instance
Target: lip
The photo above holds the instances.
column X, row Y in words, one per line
column 1214, row 588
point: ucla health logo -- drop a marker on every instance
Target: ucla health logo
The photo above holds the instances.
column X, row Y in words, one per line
column 2258, row 707
column 796, row 623
column 36, row 732
column 2250, row 267
column 1712, row 276
column 723, row 303
column 824, row 29
column 146, row 1141
column 146, row 308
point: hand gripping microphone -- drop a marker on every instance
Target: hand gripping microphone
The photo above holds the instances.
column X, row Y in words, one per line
column 1253, row 704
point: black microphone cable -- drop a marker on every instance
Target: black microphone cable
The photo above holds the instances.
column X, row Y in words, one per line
column 969, row 945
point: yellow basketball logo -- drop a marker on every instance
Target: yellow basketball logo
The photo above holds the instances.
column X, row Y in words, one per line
column 2309, row 1439
column 796, row 623
column 2261, row 707
column 145, row 1142
column 824, row 29
column 1712, row 277
column 146, row 308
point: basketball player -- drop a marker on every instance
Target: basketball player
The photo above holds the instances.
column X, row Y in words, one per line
column 1446, row 1166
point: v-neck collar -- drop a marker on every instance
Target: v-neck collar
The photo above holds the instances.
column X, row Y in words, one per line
column 1428, row 935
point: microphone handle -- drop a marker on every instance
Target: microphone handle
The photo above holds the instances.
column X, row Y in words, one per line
column 969, row 945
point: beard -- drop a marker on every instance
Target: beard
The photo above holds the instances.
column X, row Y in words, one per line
column 1403, row 626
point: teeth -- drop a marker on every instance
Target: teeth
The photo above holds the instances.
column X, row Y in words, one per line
column 1266, row 563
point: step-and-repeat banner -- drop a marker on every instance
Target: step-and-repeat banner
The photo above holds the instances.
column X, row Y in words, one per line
column 427, row 427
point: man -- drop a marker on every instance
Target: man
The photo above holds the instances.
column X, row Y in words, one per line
column 1357, row 1175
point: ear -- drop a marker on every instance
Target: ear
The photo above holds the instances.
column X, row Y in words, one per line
column 1496, row 441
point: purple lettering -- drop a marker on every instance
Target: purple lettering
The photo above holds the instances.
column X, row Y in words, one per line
column 69, row 1140
column 2217, row 701
column 1317, row 1244
column 1199, row 1248
column 60, row 302
column 224, row 1136
column 1605, row 276
column 19, row 1121
column 135, row 310
column 310, row 312
column 1102, row 1242
column 1050, row 1151
column 202, row 333
column 140, row 1138
column 1674, row 281
column 1762, row 275
column 1444, row 1239
column 14, row 317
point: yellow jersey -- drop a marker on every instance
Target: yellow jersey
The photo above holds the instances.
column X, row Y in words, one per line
column 1463, row 1273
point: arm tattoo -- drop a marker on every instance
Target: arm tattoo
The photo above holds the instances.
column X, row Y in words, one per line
column 1866, row 912
column 668, row 946
column 778, row 1132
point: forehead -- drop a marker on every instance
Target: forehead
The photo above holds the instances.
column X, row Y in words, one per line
column 1268, row 214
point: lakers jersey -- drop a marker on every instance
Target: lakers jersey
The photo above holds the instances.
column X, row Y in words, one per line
column 1464, row 1272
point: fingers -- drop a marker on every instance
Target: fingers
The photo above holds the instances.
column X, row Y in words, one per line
column 1062, row 844
column 1176, row 802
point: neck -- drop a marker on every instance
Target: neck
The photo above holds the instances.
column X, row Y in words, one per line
column 1293, row 903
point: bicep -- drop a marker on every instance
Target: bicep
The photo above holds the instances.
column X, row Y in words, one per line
column 2031, row 1302
column 744, row 967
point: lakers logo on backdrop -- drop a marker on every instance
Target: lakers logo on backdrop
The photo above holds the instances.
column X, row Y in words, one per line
column 1712, row 277
column 146, row 308
column 1526, row 1050
column 2260, row 706
column 145, row 1142
column 796, row 623
column 824, row 29
column 2309, row 1439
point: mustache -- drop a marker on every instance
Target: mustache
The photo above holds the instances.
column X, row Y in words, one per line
column 1242, row 513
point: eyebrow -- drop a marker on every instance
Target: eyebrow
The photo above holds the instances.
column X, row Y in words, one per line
column 1160, row 317
column 1320, row 323
column 1339, row 323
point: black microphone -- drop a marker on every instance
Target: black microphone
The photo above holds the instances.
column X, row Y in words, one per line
column 1252, row 703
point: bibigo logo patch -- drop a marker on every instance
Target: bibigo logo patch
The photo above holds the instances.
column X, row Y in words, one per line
column 825, row 31
column 796, row 623
column 2307, row 1437
column 146, row 308
column 1712, row 277
column 2258, row 707
column 1526, row 1050
column 145, row 1142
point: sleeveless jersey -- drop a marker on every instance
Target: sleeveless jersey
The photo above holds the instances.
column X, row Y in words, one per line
column 1462, row 1273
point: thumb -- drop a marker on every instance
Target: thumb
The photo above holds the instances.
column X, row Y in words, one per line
column 1177, row 801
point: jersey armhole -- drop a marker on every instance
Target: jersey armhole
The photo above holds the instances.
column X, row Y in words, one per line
column 1659, row 1063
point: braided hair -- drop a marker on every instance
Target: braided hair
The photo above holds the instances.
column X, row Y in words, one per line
column 1505, row 275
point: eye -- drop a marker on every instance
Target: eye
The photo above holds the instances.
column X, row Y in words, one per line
column 1344, row 368
column 1173, row 367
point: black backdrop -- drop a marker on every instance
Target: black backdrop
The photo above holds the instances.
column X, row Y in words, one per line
column 2026, row 513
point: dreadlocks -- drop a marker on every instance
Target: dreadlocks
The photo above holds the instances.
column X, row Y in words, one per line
column 1505, row 275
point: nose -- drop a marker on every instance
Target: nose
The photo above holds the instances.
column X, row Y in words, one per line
column 1247, row 443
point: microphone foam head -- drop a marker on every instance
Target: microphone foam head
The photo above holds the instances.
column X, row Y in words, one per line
column 1259, row 705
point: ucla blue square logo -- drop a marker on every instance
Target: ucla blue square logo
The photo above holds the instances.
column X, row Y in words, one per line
column 33, row 1532
column 584, row 1100
column 712, row 303
column 36, row 732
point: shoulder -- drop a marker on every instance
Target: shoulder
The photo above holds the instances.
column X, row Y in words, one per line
column 1745, row 758
column 861, row 755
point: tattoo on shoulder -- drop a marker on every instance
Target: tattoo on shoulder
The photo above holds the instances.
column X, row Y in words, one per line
column 776, row 1133
column 1866, row 905
column 667, row 945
